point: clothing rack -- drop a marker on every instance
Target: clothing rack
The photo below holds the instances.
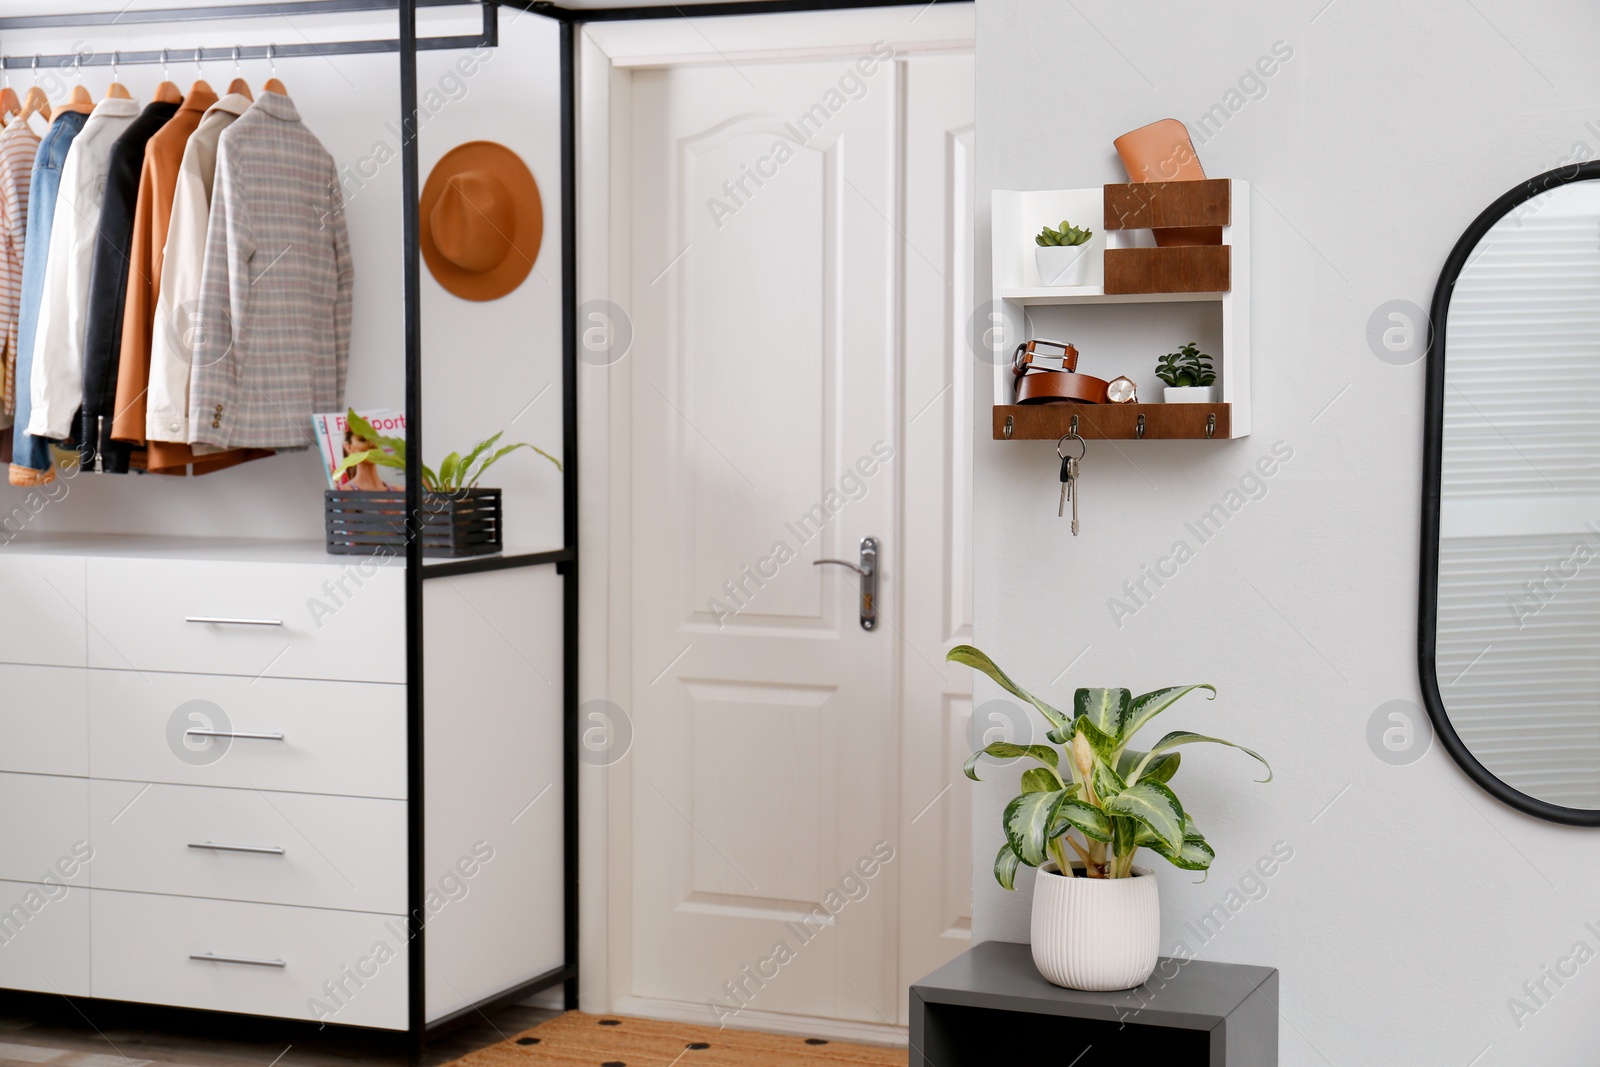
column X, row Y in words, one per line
column 289, row 9
column 407, row 44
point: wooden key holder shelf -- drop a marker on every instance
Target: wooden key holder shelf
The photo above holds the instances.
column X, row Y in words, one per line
column 1145, row 294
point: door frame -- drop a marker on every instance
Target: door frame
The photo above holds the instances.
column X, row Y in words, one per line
column 607, row 55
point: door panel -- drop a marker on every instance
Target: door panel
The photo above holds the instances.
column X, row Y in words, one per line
column 792, row 337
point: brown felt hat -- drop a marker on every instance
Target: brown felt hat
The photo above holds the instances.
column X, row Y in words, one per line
column 482, row 220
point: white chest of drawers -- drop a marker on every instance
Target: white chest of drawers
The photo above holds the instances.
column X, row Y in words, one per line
column 210, row 743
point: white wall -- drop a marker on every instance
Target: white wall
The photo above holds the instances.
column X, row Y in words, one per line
column 1414, row 906
column 484, row 363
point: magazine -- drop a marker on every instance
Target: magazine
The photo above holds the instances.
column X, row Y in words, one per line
column 335, row 440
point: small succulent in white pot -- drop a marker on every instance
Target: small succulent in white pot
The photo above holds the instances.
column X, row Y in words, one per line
column 1187, row 375
column 1089, row 803
column 1062, row 255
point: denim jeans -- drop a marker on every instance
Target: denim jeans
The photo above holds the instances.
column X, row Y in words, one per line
column 30, row 459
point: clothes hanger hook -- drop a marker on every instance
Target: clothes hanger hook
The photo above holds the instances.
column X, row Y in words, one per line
column 237, row 69
column 272, row 58
column 200, row 63
column 166, row 72
column 116, row 54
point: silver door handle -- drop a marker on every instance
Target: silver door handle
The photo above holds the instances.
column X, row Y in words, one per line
column 868, row 571
column 265, row 850
column 216, row 620
column 211, row 957
column 195, row 731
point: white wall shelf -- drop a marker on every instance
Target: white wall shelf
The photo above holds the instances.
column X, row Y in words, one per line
column 1120, row 333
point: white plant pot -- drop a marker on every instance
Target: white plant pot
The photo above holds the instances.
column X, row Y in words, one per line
column 1095, row 933
column 1189, row 394
column 1062, row 265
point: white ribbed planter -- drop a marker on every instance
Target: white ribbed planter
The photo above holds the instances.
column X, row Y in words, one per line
column 1095, row 933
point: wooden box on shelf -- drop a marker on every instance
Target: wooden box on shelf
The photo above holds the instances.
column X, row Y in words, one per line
column 1198, row 268
column 1137, row 302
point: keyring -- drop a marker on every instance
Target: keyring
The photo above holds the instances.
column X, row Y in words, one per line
column 1083, row 446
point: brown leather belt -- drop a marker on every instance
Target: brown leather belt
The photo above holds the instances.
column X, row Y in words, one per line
column 1042, row 379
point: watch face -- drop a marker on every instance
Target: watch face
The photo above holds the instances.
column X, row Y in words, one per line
column 1121, row 390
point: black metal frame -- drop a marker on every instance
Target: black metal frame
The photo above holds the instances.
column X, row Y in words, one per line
column 407, row 45
column 1432, row 460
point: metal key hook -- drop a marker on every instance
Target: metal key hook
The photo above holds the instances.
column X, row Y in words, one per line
column 1083, row 446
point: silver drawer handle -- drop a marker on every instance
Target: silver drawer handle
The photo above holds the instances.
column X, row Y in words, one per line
column 265, row 850
column 218, row 621
column 195, row 731
column 211, row 957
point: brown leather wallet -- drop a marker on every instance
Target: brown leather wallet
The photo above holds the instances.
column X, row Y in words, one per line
column 1042, row 379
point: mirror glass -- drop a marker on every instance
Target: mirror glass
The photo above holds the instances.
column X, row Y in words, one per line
column 1517, row 619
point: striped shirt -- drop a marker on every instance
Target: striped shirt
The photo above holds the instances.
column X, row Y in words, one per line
column 18, row 146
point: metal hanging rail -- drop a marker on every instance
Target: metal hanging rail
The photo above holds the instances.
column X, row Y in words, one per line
column 490, row 37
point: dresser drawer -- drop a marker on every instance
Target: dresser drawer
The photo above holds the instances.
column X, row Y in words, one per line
column 44, row 937
column 280, row 848
column 44, row 719
column 42, row 610
column 342, row 968
column 44, row 826
column 281, row 620
column 320, row 737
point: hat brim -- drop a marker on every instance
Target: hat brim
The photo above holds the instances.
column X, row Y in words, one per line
column 514, row 269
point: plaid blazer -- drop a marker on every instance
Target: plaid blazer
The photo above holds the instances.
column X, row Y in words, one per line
column 273, row 322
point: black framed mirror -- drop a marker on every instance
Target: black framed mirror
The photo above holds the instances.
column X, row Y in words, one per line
column 1509, row 626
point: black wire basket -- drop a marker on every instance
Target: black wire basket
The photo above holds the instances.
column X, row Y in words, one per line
column 467, row 522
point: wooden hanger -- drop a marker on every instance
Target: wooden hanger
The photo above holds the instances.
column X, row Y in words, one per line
column 273, row 84
column 166, row 92
column 79, row 99
column 9, row 104
column 239, row 85
column 34, row 101
column 116, row 90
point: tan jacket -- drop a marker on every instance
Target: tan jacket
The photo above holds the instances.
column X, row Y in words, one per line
column 158, row 184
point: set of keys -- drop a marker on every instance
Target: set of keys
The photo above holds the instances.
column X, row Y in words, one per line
column 1069, row 477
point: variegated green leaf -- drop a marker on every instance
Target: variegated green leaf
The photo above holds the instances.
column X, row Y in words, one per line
column 1005, row 867
column 1104, row 744
column 1161, row 769
column 977, row 660
column 1124, row 835
column 1027, row 821
column 1040, row 780
column 1007, row 750
column 1146, row 707
column 1107, row 782
column 1185, row 737
column 1154, row 805
column 1194, row 854
column 1107, row 709
column 1087, row 819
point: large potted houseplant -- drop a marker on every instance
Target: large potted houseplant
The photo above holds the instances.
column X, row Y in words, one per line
column 1062, row 255
column 1089, row 803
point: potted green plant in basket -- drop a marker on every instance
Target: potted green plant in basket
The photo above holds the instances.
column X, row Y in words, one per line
column 1089, row 803
column 1187, row 375
column 458, row 518
column 1061, row 254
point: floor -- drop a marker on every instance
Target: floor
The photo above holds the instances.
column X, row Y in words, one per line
column 67, row 1041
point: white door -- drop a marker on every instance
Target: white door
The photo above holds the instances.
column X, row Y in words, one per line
column 795, row 331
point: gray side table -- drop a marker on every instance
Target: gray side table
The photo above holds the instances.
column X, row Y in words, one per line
column 990, row 1004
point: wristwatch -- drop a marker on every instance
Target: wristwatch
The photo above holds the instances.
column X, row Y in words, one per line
column 1122, row 390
